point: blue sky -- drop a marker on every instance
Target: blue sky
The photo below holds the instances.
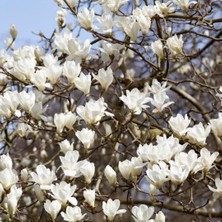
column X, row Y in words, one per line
column 28, row 16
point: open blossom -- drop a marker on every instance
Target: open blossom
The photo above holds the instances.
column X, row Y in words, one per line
column 218, row 190
column 5, row 162
column 105, row 23
column 104, row 77
column 64, row 192
column 73, row 214
column 71, row 70
column 157, row 87
column 157, row 48
column 23, row 69
column 83, row 82
column 135, row 100
column 65, row 146
column 143, row 21
column 52, row 208
column 179, row 124
column 142, row 213
column 216, row 125
column 86, row 18
column 112, row 5
column 164, row 9
column 93, row 111
column 175, row 45
column 8, row 177
column 70, row 164
column 131, row 167
column 158, row 174
column 177, row 173
column 130, row 26
column 10, row 202
column 9, row 103
column 44, row 177
column 86, row 136
column 198, row 134
column 206, row 160
column 61, row 41
column 111, row 208
column 62, row 120
column 160, row 101
column 77, row 50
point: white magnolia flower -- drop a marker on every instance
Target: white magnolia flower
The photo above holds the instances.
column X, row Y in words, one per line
column 198, row 134
column 130, row 26
column 158, row 174
column 93, row 111
column 112, row 5
column 216, row 125
column 111, row 208
column 9, row 103
column 61, row 41
column 70, row 165
column 189, row 160
column 83, row 83
column 8, row 177
column 105, row 23
column 110, row 175
column 53, row 72
column 160, row 101
column 5, row 162
column 143, row 21
column 104, row 77
column 164, row 9
column 179, row 124
column 65, row 146
column 142, row 213
column 10, row 202
column 23, row 69
column 39, row 79
column 177, row 173
column 52, row 208
column 157, row 87
column 157, row 48
column 206, row 160
column 13, row 31
column 218, row 190
column 131, row 168
column 61, row 17
column 71, row 70
column 73, row 214
column 175, row 44
column 44, row 177
column 63, row 192
column 62, row 120
column 86, row 136
column 135, row 100
column 149, row 11
column 86, row 18
column 164, row 150
column 78, row 51
column 160, row 217
column 90, row 196
column 27, row 100
column 88, row 171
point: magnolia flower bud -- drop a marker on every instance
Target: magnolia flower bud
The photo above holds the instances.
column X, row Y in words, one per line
column 13, row 32
column 110, row 175
column 90, row 196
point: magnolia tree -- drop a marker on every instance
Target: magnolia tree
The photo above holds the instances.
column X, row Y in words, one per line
column 125, row 126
